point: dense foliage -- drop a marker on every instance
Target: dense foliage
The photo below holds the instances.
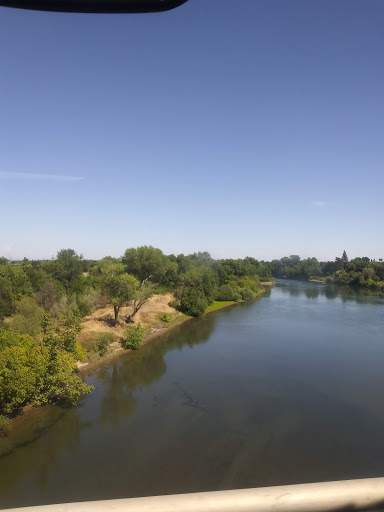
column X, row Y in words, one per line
column 36, row 371
column 358, row 272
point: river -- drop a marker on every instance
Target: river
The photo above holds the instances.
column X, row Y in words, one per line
column 287, row 389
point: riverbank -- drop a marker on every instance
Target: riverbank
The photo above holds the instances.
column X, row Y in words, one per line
column 149, row 317
column 99, row 323
column 139, row 428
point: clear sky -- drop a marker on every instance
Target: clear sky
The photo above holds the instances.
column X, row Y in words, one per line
column 247, row 127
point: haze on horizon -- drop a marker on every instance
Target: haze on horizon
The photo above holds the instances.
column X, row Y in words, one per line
column 253, row 131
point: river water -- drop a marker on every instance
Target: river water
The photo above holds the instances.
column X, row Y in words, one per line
column 288, row 389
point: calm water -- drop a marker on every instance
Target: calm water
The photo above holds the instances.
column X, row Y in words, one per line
column 287, row 389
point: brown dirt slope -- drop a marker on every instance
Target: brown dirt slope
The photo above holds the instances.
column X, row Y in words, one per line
column 101, row 320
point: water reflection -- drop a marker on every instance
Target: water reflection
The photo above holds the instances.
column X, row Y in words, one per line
column 312, row 293
column 295, row 288
column 285, row 390
column 118, row 401
column 142, row 368
column 37, row 448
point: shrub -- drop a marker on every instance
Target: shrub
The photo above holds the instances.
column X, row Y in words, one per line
column 247, row 294
column 133, row 337
column 88, row 301
column 80, row 353
column 72, row 326
column 102, row 342
column 47, row 296
column 5, row 426
column 193, row 302
column 226, row 292
column 28, row 317
column 66, row 306
column 165, row 318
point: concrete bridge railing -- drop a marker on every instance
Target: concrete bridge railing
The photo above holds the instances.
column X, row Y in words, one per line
column 345, row 495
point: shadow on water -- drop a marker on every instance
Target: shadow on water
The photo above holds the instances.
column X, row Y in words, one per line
column 38, row 451
column 144, row 367
column 53, row 430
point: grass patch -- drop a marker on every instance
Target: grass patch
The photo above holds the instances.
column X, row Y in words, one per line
column 165, row 318
column 217, row 304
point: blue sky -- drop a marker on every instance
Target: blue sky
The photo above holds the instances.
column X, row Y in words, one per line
column 241, row 128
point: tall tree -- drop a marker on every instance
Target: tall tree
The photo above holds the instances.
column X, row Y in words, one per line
column 144, row 292
column 120, row 288
column 68, row 267
column 146, row 263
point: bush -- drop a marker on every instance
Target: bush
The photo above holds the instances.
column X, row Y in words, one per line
column 88, row 302
column 28, row 317
column 66, row 306
column 133, row 337
column 102, row 342
column 165, row 318
column 5, row 426
column 47, row 296
column 193, row 302
column 226, row 292
column 80, row 353
column 247, row 294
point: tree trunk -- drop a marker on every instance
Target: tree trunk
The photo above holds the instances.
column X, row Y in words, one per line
column 136, row 307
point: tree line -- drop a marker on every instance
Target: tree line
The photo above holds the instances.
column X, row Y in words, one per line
column 357, row 272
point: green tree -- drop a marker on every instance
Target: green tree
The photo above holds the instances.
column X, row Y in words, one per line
column 47, row 296
column 193, row 302
column 143, row 293
column 19, row 280
column 6, row 298
column 68, row 267
column 62, row 385
column 28, row 317
column 35, row 273
column 227, row 292
column 146, row 263
column 203, row 279
column 67, row 335
column 36, row 371
column 120, row 288
column 22, row 371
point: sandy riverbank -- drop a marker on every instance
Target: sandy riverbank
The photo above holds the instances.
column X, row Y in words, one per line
column 101, row 321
